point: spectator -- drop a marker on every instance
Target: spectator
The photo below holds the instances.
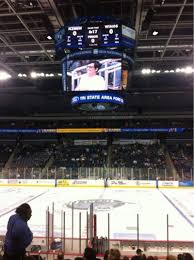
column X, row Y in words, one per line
column 125, row 257
column 90, row 80
column 114, row 254
column 60, row 256
column 180, row 257
column 150, row 257
column 89, row 254
column 171, row 257
column 187, row 256
column 34, row 257
column 139, row 252
column 18, row 235
column 138, row 255
column 106, row 255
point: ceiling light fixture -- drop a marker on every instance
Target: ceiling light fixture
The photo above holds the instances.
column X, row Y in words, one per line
column 155, row 33
column 4, row 75
column 33, row 74
column 188, row 70
column 49, row 37
column 146, row 71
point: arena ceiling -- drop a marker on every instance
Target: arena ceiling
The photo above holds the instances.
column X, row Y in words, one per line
column 26, row 24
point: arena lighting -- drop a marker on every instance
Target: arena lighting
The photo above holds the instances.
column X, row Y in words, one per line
column 41, row 74
column 20, row 75
column 59, row 74
column 155, row 33
column 49, row 37
column 49, row 75
column 146, row 71
column 188, row 70
column 33, row 75
column 4, row 75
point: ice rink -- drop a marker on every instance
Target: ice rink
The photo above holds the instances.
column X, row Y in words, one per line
column 152, row 205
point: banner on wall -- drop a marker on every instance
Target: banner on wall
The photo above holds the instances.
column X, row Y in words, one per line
column 186, row 184
column 168, row 184
column 62, row 183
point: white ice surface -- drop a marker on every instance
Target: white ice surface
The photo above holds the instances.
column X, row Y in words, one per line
column 152, row 205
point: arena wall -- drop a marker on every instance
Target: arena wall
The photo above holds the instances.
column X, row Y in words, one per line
column 84, row 183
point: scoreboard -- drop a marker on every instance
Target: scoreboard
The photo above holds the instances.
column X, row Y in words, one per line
column 95, row 54
column 93, row 34
column 105, row 35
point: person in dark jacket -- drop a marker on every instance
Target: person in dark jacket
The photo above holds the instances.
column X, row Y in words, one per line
column 18, row 235
column 89, row 254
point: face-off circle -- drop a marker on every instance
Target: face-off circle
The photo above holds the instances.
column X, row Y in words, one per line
column 99, row 204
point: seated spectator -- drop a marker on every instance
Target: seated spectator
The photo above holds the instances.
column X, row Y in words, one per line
column 180, row 257
column 138, row 255
column 106, row 255
column 182, row 157
column 89, row 254
column 114, row 254
column 139, row 252
column 138, row 155
column 150, row 257
column 187, row 256
column 125, row 257
column 60, row 256
column 34, row 257
column 75, row 156
column 171, row 257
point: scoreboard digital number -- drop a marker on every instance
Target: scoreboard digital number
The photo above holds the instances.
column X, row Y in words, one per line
column 111, row 35
column 93, row 35
column 74, row 37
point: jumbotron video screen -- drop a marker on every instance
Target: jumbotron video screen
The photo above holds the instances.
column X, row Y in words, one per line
column 94, row 75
